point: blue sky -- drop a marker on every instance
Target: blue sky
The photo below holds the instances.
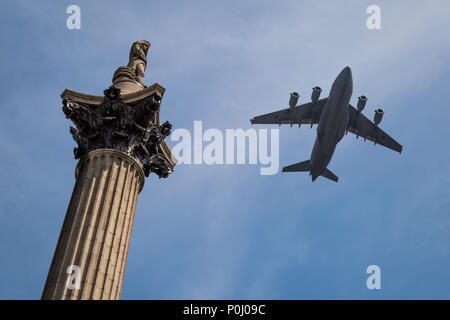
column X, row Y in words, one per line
column 220, row 232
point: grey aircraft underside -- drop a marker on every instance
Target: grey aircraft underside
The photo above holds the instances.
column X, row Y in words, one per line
column 335, row 117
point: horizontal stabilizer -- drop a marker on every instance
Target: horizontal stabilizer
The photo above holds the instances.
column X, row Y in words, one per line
column 300, row 166
column 330, row 175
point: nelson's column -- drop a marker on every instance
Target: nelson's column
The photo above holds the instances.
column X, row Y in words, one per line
column 120, row 142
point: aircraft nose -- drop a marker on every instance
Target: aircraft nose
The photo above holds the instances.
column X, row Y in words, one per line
column 313, row 177
column 344, row 80
column 346, row 73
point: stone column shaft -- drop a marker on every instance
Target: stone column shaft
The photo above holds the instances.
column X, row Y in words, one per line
column 97, row 228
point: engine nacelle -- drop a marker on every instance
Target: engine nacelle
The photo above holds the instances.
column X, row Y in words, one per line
column 293, row 99
column 315, row 94
column 361, row 103
column 378, row 116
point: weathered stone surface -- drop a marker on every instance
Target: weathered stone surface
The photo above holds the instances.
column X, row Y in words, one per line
column 97, row 228
column 130, row 78
column 120, row 141
column 127, row 127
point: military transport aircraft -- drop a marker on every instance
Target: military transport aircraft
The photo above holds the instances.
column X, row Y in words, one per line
column 335, row 117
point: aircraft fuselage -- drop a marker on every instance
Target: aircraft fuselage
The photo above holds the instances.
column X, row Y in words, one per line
column 332, row 123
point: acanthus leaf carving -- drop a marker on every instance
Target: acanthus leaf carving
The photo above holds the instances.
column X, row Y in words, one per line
column 129, row 128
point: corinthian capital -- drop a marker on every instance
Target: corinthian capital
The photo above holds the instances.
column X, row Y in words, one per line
column 129, row 124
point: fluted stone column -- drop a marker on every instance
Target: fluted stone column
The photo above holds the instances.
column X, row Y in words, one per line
column 96, row 232
column 120, row 142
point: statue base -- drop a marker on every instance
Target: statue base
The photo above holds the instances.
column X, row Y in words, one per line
column 124, row 79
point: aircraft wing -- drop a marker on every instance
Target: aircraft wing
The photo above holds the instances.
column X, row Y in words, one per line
column 363, row 127
column 305, row 113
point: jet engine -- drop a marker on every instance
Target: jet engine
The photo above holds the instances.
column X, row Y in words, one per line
column 293, row 99
column 361, row 103
column 378, row 116
column 315, row 94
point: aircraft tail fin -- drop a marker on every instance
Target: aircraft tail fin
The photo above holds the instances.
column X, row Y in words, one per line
column 330, row 175
column 300, row 166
